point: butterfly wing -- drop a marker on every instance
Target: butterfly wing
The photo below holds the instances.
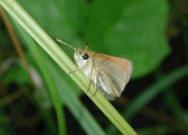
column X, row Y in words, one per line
column 112, row 74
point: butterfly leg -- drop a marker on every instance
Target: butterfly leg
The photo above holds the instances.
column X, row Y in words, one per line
column 90, row 78
column 94, row 91
column 95, row 88
column 95, row 82
column 89, row 85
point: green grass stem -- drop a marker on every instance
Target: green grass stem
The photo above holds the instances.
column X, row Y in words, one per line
column 54, row 51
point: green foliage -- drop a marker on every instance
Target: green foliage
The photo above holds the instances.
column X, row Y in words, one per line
column 59, row 56
column 56, row 80
column 145, row 96
column 4, row 124
column 16, row 74
column 129, row 29
column 124, row 28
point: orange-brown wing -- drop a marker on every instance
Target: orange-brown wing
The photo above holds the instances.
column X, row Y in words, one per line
column 114, row 73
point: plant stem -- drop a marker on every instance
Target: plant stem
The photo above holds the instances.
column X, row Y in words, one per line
column 54, row 51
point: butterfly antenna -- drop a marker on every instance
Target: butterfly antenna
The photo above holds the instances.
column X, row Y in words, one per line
column 64, row 43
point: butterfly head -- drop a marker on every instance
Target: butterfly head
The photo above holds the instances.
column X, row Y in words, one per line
column 81, row 56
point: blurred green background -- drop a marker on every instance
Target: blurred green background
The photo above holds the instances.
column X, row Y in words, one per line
column 152, row 34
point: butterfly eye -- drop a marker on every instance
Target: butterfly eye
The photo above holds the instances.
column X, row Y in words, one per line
column 85, row 56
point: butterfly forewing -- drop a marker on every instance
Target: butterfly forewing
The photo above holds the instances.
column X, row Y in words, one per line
column 115, row 73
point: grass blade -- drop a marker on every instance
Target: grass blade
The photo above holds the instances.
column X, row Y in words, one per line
column 51, row 48
column 148, row 94
column 68, row 97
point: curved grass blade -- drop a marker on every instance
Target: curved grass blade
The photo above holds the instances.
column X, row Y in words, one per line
column 67, row 96
column 148, row 94
column 54, row 51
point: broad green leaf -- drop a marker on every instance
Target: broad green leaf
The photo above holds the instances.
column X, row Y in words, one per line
column 124, row 28
column 130, row 29
column 51, row 15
